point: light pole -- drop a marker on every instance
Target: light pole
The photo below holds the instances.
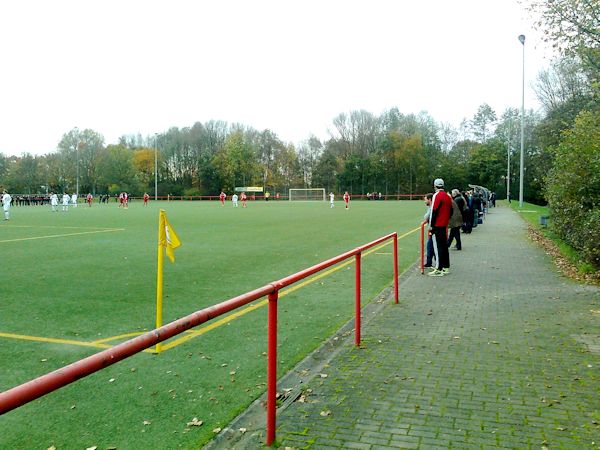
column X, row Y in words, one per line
column 522, row 165
column 77, row 162
column 508, row 172
column 155, row 166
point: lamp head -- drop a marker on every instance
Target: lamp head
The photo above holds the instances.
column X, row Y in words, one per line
column 522, row 39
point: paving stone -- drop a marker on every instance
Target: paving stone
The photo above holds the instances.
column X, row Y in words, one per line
column 357, row 445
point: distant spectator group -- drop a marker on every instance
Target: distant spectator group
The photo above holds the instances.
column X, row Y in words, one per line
column 374, row 196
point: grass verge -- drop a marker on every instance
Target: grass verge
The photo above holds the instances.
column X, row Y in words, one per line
column 566, row 258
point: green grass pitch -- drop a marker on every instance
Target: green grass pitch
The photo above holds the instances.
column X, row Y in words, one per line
column 89, row 275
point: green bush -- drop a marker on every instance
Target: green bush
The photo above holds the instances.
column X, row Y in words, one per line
column 193, row 191
column 573, row 187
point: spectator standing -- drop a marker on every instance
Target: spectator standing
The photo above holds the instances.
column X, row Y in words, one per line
column 456, row 221
column 477, row 207
column 429, row 254
column 441, row 208
column 468, row 225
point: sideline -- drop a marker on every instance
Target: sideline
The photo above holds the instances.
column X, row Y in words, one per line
column 105, row 230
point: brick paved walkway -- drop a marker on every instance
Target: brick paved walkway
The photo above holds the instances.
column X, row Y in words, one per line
column 503, row 352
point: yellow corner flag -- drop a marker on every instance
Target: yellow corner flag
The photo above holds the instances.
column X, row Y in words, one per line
column 167, row 238
column 169, row 241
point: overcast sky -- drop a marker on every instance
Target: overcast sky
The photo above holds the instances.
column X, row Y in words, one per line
column 123, row 67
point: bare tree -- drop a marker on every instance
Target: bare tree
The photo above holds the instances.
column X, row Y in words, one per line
column 563, row 81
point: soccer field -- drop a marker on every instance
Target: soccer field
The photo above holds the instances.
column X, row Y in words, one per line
column 75, row 283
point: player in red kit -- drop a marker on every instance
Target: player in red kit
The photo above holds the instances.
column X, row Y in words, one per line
column 346, row 199
column 222, row 197
column 146, row 198
column 89, row 199
column 243, row 198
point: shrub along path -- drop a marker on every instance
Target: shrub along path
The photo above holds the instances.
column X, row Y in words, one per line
column 502, row 352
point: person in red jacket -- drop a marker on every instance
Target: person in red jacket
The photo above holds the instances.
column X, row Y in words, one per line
column 441, row 209
column 222, row 197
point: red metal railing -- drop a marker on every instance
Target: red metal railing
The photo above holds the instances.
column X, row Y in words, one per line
column 27, row 392
column 425, row 222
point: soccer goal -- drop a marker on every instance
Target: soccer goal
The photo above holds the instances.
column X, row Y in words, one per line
column 296, row 195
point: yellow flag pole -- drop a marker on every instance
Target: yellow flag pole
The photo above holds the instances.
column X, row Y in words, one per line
column 159, row 278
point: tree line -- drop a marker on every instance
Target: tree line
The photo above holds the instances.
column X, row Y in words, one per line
column 390, row 153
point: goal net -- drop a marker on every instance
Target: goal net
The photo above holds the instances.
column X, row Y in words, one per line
column 307, row 194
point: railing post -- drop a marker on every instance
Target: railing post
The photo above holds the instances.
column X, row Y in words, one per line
column 422, row 247
column 396, row 268
column 357, row 301
column 272, row 367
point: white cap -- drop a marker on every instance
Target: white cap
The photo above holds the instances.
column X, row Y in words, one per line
column 438, row 183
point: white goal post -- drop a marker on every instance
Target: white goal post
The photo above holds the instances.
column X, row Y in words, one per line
column 313, row 194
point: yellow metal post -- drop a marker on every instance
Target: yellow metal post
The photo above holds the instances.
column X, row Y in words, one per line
column 159, row 278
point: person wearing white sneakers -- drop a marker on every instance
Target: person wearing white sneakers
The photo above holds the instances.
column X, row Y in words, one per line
column 441, row 210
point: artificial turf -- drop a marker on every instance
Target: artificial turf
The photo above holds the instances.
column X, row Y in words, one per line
column 89, row 274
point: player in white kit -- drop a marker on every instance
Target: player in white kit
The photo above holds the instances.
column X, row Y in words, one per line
column 6, row 199
column 54, row 202
column 66, row 198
